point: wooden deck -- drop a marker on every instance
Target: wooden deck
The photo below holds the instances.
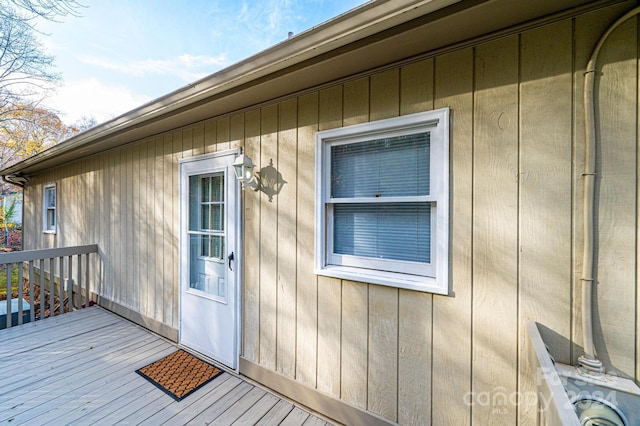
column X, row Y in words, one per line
column 79, row 368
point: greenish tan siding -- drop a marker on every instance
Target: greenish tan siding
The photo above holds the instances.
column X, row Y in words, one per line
column 516, row 228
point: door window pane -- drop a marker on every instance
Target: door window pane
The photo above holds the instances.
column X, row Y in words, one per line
column 206, row 217
column 217, row 216
column 217, row 188
column 205, row 275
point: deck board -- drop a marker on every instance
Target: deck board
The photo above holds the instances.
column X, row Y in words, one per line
column 277, row 411
column 79, row 368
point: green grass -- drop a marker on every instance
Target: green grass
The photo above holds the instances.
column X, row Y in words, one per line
column 3, row 280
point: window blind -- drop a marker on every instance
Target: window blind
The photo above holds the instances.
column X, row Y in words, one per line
column 389, row 167
column 394, row 231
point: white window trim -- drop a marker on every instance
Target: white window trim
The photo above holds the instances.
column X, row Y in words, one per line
column 45, row 223
column 436, row 279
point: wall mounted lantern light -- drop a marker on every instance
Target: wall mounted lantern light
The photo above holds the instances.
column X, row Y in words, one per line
column 243, row 167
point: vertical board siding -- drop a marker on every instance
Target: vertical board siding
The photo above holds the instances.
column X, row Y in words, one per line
column 452, row 325
column 114, row 249
column 616, row 218
column 354, row 346
column 131, row 296
column 177, row 150
column 143, row 231
column 135, row 228
column 251, row 246
column 356, row 102
column 382, row 374
column 120, row 224
column 587, row 30
column 167, row 234
column 286, row 239
column 268, row 240
column 385, row 96
column 414, row 357
column 495, row 224
column 198, row 140
column 329, row 328
column 210, row 136
column 222, row 134
column 516, row 149
column 307, row 284
column 416, row 87
column 545, row 196
column 150, row 230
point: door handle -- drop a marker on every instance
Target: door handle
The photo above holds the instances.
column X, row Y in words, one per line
column 230, row 258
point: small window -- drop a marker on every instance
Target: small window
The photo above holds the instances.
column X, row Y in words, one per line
column 382, row 192
column 49, row 211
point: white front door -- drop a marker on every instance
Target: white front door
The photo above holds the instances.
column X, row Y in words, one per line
column 209, row 197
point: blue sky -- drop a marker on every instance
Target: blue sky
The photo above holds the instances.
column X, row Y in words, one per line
column 122, row 53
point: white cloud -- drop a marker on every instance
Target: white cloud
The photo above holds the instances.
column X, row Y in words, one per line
column 269, row 20
column 186, row 67
column 92, row 98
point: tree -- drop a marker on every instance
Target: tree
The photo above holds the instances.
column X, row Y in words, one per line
column 7, row 215
column 85, row 122
column 25, row 70
column 26, row 76
column 29, row 130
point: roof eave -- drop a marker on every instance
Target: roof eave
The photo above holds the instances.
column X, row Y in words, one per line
column 359, row 23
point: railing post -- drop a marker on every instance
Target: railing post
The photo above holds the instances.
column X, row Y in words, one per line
column 80, row 281
column 61, row 286
column 52, row 286
column 32, row 308
column 20, row 284
column 41, row 289
column 70, row 281
column 87, row 295
column 8, row 315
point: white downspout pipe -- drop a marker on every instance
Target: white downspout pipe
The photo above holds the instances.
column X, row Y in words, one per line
column 589, row 360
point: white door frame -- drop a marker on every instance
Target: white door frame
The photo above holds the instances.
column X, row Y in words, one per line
column 183, row 252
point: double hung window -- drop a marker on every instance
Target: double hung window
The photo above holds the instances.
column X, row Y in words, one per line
column 382, row 202
column 49, row 209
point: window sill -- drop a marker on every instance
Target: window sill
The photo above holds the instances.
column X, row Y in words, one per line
column 390, row 279
column 49, row 232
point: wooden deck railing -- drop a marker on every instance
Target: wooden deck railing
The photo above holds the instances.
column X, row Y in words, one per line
column 50, row 270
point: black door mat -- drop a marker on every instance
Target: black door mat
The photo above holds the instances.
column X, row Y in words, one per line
column 179, row 374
